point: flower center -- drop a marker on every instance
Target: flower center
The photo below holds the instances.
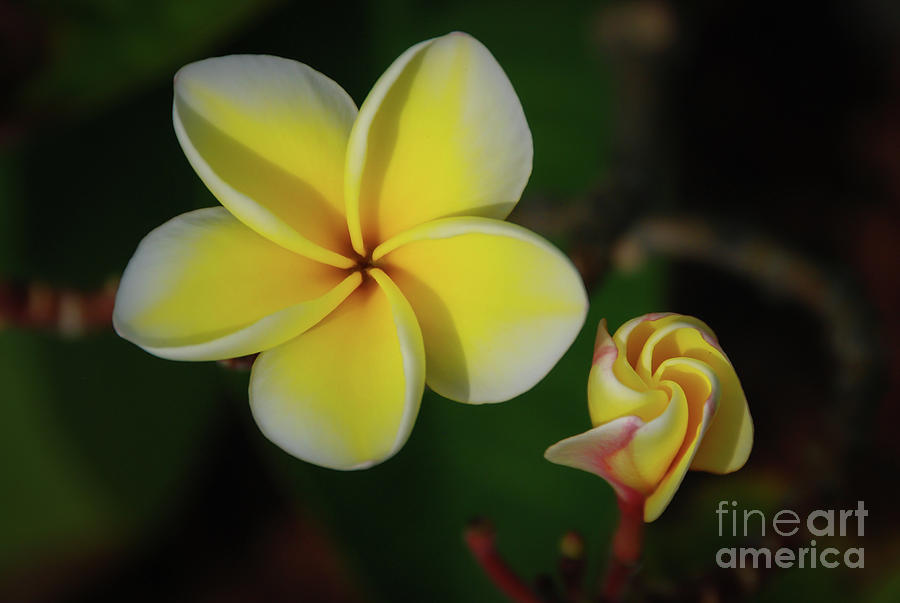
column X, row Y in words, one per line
column 363, row 262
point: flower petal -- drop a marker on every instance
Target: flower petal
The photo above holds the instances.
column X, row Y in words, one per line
column 595, row 451
column 441, row 134
column 498, row 305
column 727, row 445
column 345, row 394
column 645, row 461
column 614, row 389
column 268, row 136
column 695, row 382
column 628, row 452
column 657, row 443
column 203, row 286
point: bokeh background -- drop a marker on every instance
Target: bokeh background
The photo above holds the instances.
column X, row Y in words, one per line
column 738, row 161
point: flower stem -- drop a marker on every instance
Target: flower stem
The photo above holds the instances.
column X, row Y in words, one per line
column 480, row 539
column 626, row 550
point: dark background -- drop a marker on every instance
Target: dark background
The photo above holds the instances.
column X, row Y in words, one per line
column 736, row 161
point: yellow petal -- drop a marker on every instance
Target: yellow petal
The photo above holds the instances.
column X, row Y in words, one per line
column 695, row 382
column 203, row 286
column 498, row 305
column 268, row 136
column 345, row 394
column 614, row 389
column 657, row 443
column 727, row 445
column 632, row 336
column 441, row 134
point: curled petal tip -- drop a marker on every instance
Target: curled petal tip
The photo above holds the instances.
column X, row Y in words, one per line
column 605, row 350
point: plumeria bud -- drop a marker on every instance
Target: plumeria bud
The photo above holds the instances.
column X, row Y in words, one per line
column 663, row 398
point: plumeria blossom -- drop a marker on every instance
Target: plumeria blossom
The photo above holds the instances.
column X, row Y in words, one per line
column 363, row 253
column 663, row 398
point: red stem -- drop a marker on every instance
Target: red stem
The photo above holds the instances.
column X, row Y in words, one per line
column 626, row 551
column 480, row 539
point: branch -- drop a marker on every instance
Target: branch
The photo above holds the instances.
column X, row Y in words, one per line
column 572, row 565
column 480, row 538
column 65, row 311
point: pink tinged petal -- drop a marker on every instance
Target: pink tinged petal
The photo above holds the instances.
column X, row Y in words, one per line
column 596, row 451
column 629, row 453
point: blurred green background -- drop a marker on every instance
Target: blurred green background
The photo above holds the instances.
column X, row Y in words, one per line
column 739, row 163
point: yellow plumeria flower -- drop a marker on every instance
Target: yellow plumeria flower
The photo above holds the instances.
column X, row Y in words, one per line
column 363, row 253
column 663, row 398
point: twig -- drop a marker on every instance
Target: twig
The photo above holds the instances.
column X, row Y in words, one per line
column 572, row 565
column 65, row 311
column 241, row 363
column 480, row 538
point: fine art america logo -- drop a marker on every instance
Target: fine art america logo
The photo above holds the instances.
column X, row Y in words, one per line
column 822, row 523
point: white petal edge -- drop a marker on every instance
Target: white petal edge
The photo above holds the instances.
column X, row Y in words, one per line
column 356, row 149
column 409, row 338
column 452, row 227
column 247, row 210
column 266, row 333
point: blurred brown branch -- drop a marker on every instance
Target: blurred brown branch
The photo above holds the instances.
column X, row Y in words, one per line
column 767, row 264
column 70, row 313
